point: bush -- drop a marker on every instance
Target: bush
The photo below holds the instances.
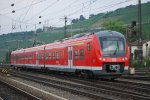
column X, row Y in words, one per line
column 140, row 64
column 137, row 64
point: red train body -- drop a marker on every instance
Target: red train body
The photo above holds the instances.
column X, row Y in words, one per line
column 104, row 53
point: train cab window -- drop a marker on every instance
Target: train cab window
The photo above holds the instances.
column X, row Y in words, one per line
column 76, row 54
column 57, row 56
column 81, row 54
column 89, row 46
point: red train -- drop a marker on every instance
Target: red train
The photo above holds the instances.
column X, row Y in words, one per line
column 104, row 53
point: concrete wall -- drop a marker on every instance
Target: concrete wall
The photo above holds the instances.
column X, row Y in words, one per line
column 133, row 48
column 146, row 49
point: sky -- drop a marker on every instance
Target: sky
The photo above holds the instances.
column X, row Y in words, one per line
column 52, row 12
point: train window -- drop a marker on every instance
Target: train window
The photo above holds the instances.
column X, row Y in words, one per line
column 57, row 56
column 89, row 46
column 47, row 56
column 81, row 54
column 50, row 57
column 76, row 54
column 37, row 56
column 53, row 55
column 42, row 55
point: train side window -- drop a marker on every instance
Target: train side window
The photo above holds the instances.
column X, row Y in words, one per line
column 89, row 46
column 57, row 56
column 47, row 56
column 42, row 55
column 39, row 56
column 81, row 54
column 53, row 55
column 50, row 57
column 76, row 54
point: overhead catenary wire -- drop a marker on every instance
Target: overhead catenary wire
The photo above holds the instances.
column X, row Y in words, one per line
column 28, row 10
column 59, row 12
column 106, row 7
column 22, row 8
column 34, row 23
column 10, row 6
column 23, row 11
column 52, row 4
column 27, row 23
column 95, row 9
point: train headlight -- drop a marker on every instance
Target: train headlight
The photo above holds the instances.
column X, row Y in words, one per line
column 100, row 58
column 104, row 59
column 123, row 59
column 126, row 58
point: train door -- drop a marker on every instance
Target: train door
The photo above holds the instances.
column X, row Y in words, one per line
column 69, row 57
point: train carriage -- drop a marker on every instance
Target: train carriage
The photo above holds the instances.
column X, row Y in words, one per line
column 104, row 53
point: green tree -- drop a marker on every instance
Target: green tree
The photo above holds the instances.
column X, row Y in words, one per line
column 7, row 59
column 82, row 18
column 115, row 25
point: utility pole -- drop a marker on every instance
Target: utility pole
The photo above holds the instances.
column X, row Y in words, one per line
column 140, row 27
column 139, row 19
column 65, row 26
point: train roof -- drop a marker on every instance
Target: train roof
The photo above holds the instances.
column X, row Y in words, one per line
column 108, row 33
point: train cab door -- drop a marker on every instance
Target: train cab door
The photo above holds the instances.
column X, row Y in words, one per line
column 70, row 57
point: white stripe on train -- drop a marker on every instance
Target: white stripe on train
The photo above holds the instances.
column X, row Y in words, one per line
column 72, row 67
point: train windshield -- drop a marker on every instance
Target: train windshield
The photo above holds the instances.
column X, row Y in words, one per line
column 112, row 46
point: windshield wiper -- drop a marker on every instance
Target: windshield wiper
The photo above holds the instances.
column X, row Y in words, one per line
column 116, row 49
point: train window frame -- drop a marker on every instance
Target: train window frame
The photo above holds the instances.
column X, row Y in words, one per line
column 81, row 54
column 40, row 56
column 46, row 55
column 75, row 54
column 89, row 46
column 53, row 55
column 50, row 55
column 57, row 55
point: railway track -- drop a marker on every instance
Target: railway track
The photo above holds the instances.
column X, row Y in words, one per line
column 10, row 92
column 92, row 89
column 57, row 84
column 117, row 82
column 137, row 77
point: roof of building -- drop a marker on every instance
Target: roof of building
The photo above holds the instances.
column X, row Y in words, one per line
column 136, row 43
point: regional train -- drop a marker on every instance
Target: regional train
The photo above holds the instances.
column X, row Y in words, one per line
column 104, row 54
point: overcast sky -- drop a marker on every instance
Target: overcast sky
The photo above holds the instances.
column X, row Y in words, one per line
column 52, row 12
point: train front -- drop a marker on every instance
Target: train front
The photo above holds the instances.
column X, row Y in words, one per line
column 114, row 54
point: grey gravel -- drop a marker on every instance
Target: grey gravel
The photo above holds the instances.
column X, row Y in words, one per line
column 52, row 90
column 6, row 93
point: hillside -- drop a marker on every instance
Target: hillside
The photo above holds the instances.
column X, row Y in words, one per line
column 13, row 41
column 126, row 15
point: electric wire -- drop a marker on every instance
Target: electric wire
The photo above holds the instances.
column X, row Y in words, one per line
column 28, row 10
column 42, row 10
column 26, row 7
